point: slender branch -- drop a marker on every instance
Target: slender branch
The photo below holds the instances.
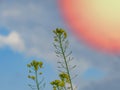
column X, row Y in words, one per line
column 65, row 87
column 37, row 83
column 64, row 57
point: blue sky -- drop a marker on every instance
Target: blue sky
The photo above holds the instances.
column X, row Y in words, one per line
column 26, row 34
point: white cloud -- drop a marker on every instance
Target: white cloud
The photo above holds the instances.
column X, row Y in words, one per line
column 13, row 40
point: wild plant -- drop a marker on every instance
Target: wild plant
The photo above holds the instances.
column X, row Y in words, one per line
column 61, row 45
column 35, row 73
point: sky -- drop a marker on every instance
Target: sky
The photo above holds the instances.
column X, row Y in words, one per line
column 26, row 33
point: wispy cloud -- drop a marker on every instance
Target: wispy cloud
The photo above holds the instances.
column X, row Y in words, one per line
column 13, row 40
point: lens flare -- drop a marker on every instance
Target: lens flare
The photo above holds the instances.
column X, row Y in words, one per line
column 95, row 21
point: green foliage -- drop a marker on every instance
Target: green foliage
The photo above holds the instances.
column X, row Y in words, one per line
column 34, row 72
column 61, row 45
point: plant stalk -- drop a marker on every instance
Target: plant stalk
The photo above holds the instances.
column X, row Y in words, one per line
column 37, row 83
column 64, row 57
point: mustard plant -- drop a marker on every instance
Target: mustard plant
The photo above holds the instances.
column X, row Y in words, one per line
column 57, row 84
column 61, row 45
column 60, row 84
column 34, row 73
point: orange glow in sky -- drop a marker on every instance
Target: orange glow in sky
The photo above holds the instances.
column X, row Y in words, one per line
column 97, row 22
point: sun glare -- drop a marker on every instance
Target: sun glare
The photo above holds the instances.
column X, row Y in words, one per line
column 96, row 21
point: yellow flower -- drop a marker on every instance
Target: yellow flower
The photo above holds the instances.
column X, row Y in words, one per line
column 54, row 88
column 61, row 83
column 40, row 64
column 29, row 76
column 65, row 35
column 55, row 39
column 28, row 65
column 40, row 73
column 33, row 77
column 64, row 77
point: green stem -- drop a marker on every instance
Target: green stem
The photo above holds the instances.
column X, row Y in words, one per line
column 64, row 57
column 37, row 83
column 65, row 88
column 58, row 88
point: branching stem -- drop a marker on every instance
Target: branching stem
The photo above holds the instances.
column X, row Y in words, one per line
column 65, row 60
